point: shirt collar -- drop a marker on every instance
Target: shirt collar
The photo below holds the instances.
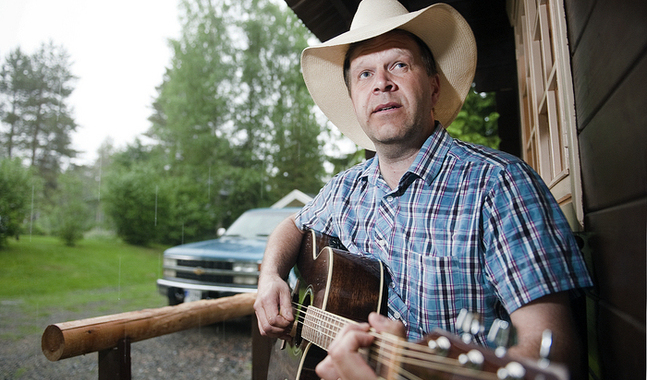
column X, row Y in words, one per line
column 430, row 159
column 427, row 163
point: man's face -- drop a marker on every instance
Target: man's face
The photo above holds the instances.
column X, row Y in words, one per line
column 392, row 93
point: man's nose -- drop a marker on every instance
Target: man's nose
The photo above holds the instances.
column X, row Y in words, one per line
column 383, row 82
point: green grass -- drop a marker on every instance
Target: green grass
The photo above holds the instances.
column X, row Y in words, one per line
column 41, row 272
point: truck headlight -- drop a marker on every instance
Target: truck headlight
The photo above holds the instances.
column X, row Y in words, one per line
column 169, row 273
column 170, row 262
column 245, row 280
column 245, row 267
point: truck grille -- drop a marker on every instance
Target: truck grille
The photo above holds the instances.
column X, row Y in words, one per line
column 206, row 264
column 220, row 279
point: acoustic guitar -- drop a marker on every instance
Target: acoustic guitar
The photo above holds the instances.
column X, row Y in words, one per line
column 335, row 288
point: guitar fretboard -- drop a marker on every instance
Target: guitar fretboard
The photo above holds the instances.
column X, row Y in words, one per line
column 321, row 327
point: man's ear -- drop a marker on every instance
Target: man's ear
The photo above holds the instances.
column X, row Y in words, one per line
column 435, row 89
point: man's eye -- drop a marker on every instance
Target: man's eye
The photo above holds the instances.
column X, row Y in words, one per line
column 400, row 65
column 364, row 74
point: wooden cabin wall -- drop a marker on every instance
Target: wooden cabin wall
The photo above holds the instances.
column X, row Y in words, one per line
column 608, row 45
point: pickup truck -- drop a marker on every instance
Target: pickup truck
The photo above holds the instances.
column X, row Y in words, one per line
column 224, row 266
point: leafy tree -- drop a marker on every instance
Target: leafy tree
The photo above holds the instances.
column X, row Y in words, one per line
column 15, row 190
column 70, row 215
column 233, row 114
column 276, row 112
column 14, row 78
column 35, row 89
column 477, row 120
column 135, row 204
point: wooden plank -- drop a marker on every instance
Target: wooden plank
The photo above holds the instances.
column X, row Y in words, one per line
column 622, row 346
column 68, row 339
column 614, row 38
column 612, row 147
column 578, row 13
column 618, row 253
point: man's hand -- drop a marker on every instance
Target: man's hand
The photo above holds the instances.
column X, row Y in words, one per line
column 273, row 307
column 273, row 304
column 344, row 360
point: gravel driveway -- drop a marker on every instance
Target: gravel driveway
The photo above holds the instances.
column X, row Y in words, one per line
column 220, row 351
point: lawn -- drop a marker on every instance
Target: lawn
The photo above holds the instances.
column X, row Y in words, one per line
column 41, row 272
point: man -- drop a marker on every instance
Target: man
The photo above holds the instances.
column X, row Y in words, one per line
column 457, row 225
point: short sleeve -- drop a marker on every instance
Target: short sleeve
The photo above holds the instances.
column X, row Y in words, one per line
column 529, row 248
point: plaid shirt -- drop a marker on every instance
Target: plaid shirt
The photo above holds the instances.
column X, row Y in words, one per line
column 467, row 227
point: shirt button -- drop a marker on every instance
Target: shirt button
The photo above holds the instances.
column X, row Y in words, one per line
column 389, row 199
column 381, row 243
column 396, row 315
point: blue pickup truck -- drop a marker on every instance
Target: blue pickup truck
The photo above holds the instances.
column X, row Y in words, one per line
column 222, row 266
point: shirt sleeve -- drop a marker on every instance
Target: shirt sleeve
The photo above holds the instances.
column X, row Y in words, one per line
column 530, row 250
column 315, row 215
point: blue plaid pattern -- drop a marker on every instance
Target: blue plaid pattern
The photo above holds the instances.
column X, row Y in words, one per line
column 468, row 227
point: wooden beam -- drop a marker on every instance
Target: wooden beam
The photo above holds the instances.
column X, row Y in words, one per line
column 68, row 339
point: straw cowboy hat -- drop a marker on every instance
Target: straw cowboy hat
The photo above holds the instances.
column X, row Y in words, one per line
column 440, row 26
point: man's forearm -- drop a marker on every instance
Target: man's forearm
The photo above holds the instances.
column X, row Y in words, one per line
column 282, row 249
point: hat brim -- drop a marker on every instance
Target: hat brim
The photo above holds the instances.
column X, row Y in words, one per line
column 440, row 26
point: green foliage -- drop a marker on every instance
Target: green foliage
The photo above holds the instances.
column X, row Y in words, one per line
column 70, row 214
column 233, row 118
column 38, row 123
column 477, row 120
column 135, row 203
column 15, row 192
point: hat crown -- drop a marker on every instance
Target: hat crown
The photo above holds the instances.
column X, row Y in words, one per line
column 370, row 12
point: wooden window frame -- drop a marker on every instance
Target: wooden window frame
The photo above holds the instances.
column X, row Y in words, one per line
column 547, row 102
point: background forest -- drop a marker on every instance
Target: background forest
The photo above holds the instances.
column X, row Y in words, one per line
column 232, row 128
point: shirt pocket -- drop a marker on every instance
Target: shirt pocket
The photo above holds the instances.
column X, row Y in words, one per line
column 446, row 285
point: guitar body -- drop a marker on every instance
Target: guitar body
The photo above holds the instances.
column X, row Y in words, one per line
column 333, row 280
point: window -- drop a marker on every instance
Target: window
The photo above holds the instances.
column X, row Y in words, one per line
column 549, row 131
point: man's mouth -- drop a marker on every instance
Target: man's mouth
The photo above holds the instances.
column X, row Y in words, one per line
column 386, row 107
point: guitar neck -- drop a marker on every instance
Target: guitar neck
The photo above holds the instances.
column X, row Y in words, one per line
column 320, row 327
column 395, row 358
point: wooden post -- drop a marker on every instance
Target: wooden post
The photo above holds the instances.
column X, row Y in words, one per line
column 261, row 349
column 114, row 363
column 68, row 339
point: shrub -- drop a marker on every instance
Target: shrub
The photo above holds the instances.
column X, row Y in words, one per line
column 15, row 192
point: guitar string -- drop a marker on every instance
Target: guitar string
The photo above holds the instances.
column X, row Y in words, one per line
column 416, row 354
column 449, row 365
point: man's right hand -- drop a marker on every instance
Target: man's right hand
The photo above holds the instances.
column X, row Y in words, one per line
column 273, row 307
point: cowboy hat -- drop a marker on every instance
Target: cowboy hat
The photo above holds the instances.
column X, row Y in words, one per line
column 440, row 26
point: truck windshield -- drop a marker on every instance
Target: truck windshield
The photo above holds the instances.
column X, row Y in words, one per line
column 257, row 224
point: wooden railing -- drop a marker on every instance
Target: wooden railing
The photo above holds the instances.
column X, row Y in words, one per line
column 112, row 335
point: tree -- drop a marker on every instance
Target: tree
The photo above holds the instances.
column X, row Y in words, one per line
column 233, row 113
column 14, row 79
column 70, row 215
column 15, row 190
column 477, row 120
column 35, row 89
column 135, row 203
column 275, row 113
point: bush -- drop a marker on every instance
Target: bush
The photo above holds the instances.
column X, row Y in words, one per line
column 15, row 192
column 70, row 213
column 134, row 203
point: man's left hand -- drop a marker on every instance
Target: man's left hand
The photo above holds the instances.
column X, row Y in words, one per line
column 344, row 361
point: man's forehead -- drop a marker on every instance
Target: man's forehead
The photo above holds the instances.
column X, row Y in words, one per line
column 395, row 39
